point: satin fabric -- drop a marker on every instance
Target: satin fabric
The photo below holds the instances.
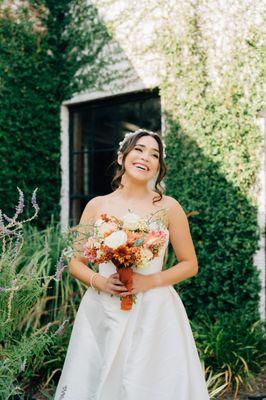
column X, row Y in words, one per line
column 147, row 353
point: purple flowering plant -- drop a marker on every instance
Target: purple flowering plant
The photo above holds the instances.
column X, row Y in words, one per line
column 26, row 327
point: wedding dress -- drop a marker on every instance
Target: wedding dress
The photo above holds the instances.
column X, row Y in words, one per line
column 146, row 353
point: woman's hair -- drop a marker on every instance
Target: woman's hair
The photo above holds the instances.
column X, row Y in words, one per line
column 126, row 146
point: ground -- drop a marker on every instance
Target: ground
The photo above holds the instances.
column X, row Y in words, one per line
column 259, row 388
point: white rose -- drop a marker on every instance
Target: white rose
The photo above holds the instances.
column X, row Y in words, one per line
column 116, row 239
column 153, row 225
column 131, row 221
column 98, row 222
column 146, row 256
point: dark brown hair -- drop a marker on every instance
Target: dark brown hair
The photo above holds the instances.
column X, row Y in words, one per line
column 127, row 146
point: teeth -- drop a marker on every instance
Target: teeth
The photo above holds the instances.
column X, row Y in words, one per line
column 141, row 167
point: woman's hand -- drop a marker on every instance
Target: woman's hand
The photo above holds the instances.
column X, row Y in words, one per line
column 141, row 283
column 113, row 285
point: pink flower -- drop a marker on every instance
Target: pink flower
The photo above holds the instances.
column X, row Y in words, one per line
column 157, row 238
column 90, row 254
column 90, row 243
column 90, row 248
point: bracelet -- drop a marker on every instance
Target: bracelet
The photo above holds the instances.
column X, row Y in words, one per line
column 91, row 279
column 98, row 290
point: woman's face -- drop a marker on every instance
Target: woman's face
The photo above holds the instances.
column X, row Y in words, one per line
column 142, row 162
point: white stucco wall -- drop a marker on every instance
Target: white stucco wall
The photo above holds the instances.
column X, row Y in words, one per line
column 64, row 164
column 260, row 256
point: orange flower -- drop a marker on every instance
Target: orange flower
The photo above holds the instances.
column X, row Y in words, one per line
column 132, row 236
column 105, row 217
column 125, row 256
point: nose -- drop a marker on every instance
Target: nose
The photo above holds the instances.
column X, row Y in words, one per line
column 145, row 156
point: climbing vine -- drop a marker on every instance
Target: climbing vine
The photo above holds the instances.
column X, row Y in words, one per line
column 49, row 50
column 213, row 142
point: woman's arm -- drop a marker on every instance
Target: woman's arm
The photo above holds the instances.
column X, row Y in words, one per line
column 77, row 266
column 182, row 243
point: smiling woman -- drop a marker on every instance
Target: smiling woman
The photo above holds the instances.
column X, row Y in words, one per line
column 145, row 351
column 145, row 151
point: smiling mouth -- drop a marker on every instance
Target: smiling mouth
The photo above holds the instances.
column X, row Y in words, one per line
column 141, row 167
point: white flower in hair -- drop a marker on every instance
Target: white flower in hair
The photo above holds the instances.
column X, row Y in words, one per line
column 128, row 135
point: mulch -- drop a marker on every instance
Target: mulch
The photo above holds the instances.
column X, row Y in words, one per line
column 258, row 389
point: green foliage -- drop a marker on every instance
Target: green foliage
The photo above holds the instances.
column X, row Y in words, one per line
column 34, row 331
column 233, row 346
column 224, row 231
column 49, row 50
column 213, row 144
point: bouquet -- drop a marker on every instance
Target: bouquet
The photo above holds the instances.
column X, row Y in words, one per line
column 127, row 242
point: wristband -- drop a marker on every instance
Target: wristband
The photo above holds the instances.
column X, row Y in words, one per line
column 91, row 279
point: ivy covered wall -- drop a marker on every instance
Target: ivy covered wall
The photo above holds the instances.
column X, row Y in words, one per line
column 49, row 50
column 214, row 138
column 208, row 59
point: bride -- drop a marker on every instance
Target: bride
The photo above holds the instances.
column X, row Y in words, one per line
column 148, row 352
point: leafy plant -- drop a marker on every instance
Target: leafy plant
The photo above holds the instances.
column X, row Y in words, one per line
column 49, row 50
column 213, row 152
column 232, row 347
column 33, row 302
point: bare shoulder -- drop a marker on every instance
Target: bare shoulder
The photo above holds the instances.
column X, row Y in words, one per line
column 91, row 208
column 173, row 205
column 175, row 212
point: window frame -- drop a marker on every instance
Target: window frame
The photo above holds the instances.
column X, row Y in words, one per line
column 117, row 100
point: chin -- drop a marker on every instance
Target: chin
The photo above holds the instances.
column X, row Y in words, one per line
column 139, row 178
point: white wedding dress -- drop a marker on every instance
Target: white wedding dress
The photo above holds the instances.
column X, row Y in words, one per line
column 146, row 353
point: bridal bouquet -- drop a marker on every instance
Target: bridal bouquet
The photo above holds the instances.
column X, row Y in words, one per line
column 127, row 242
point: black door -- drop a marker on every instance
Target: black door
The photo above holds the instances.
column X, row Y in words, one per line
column 96, row 128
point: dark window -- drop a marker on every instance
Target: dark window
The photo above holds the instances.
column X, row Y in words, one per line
column 96, row 128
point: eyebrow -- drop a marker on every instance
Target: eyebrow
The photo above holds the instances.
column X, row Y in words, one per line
column 143, row 145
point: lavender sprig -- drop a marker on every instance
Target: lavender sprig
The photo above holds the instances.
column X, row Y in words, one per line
column 34, row 202
column 61, row 328
column 60, row 266
column 1, row 220
column 31, row 266
column 19, row 208
column 12, row 222
column 47, row 327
